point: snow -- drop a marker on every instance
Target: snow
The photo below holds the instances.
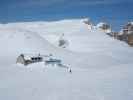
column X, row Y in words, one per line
column 101, row 66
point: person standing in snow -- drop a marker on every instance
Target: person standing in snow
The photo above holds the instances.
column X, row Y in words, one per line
column 70, row 70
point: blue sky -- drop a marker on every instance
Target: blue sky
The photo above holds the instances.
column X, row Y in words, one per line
column 116, row 12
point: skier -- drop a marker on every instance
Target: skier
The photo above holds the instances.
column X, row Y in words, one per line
column 70, row 70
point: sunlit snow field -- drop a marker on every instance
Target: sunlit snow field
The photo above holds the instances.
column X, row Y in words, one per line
column 102, row 67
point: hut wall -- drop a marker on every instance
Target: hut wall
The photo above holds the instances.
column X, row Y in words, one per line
column 20, row 59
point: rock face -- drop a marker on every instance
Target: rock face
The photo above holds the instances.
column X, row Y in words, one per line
column 104, row 27
column 130, row 39
column 89, row 23
column 63, row 43
column 128, row 28
column 127, row 33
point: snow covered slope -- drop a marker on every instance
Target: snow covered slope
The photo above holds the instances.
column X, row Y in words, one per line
column 15, row 41
column 101, row 66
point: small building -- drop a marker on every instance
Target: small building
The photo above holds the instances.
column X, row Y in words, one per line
column 25, row 60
